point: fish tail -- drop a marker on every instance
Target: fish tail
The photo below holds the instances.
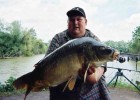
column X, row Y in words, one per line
column 25, row 82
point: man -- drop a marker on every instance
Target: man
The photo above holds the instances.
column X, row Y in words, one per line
column 95, row 87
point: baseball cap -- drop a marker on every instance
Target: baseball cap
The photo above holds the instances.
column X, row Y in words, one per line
column 76, row 11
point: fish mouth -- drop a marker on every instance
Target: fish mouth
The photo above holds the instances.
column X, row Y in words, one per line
column 116, row 55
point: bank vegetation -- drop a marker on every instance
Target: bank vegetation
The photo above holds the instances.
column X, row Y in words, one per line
column 18, row 41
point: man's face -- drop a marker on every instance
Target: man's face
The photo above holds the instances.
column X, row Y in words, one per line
column 77, row 25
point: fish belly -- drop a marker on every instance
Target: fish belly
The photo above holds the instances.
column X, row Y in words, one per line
column 62, row 70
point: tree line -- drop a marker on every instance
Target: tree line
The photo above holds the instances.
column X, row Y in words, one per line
column 132, row 46
column 18, row 41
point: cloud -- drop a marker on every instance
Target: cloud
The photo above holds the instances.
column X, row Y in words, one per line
column 133, row 20
column 48, row 17
column 121, row 30
column 96, row 2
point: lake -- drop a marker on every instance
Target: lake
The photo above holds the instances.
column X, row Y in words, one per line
column 21, row 65
column 128, row 70
column 17, row 66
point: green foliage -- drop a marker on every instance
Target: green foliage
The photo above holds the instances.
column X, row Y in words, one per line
column 123, row 85
column 134, row 45
column 119, row 45
column 17, row 41
column 7, row 87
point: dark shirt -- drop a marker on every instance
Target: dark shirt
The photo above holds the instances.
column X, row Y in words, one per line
column 81, row 91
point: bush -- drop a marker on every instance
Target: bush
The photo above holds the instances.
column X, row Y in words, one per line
column 7, row 87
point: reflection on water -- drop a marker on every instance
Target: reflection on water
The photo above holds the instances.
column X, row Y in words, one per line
column 17, row 66
column 22, row 65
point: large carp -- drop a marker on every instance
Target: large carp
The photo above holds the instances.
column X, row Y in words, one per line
column 64, row 63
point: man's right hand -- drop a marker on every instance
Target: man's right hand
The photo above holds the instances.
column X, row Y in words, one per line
column 93, row 73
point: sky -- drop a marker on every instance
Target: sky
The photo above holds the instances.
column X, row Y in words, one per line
column 108, row 19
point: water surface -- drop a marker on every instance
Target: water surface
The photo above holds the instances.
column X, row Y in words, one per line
column 17, row 66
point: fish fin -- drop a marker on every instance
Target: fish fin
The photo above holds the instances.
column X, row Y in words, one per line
column 70, row 83
column 85, row 75
column 29, row 88
column 39, row 86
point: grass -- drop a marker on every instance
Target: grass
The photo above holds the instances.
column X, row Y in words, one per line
column 7, row 88
column 126, row 86
column 11, row 93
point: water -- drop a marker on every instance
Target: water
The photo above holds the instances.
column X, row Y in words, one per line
column 128, row 70
column 17, row 66
column 21, row 65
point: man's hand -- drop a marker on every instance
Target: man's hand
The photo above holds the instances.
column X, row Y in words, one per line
column 93, row 73
column 90, row 71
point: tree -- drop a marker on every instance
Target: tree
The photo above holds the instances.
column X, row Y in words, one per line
column 119, row 45
column 135, row 42
column 16, row 34
column 18, row 41
column 4, row 39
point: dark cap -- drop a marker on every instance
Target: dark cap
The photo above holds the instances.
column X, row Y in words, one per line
column 76, row 11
